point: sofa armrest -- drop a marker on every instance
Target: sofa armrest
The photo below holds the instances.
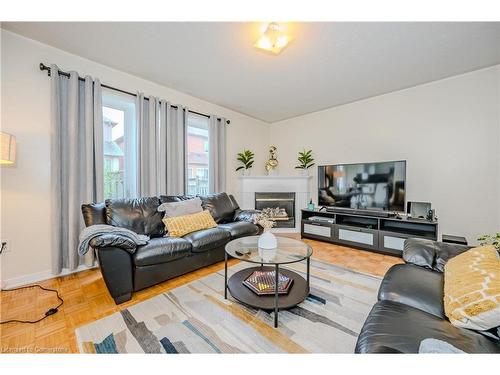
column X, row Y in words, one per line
column 430, row 254
column 112, row 240
column 414, row 286
column 117, row 270
column 245, row 215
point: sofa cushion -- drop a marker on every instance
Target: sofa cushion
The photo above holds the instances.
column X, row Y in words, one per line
column 94, row 213
column 220, row 206
column 161, row 250
column 395, row 327
column 207, row 239
column 414, row 286
column 472, row 289
column 185, row 207
column 246, row 215
column 139, row 215
column 430, row 254
column 181, row 225
column 240, row 229
column 174, row 198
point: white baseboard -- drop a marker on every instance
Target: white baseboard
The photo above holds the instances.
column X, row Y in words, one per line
column 39, row 276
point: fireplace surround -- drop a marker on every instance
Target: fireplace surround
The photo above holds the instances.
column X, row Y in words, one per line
column 298, row 185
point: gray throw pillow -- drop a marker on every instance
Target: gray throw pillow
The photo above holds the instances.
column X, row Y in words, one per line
column 187, row 207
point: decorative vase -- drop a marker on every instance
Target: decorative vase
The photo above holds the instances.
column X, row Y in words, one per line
column 267, row 255
column 267, row 240
column 304, row 172
column 246, row 172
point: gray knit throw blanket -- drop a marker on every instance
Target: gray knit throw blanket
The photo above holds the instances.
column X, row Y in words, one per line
column 99, row 230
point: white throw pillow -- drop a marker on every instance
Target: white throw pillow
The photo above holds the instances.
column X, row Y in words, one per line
column 182, row 208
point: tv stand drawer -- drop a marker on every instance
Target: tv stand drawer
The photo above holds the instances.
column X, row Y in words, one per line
column 366, row 238
column 318, row 230
column 392, row 242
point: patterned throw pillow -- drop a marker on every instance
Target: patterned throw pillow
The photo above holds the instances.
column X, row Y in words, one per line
column 472, row 289
column 182, row 225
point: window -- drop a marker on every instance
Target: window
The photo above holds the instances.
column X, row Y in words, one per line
column 197, row 155
column 119, row 140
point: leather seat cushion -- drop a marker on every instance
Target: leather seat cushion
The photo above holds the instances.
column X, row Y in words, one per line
column 240, row 229
column 207, row 239
column 220, row 206
column 139, row 215
column 161, row 250
column 394, row 327
column 414, row 286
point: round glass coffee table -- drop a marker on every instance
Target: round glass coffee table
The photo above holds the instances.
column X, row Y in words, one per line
column 288, row 251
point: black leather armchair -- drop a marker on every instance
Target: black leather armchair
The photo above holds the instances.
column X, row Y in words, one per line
column 410, row 306
column 127, row 269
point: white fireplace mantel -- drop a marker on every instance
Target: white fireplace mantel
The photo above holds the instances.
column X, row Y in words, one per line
column 249, row 185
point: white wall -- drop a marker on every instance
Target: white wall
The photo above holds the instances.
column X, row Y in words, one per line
column 447, row 130
column 25, row 211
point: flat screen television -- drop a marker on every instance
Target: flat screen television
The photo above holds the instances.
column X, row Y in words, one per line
column 373, row 186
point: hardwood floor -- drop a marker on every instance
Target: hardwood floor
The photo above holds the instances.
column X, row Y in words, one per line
column 86, row 299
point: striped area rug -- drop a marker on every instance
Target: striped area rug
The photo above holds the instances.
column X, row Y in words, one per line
column 195, row 318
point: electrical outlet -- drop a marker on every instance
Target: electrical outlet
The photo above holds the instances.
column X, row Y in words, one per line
column 5, row 246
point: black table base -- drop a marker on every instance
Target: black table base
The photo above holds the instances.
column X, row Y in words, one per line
column 297, row 293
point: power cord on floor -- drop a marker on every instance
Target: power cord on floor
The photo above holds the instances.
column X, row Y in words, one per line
column 48, row 313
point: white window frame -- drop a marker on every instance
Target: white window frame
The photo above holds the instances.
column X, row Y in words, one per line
column 126, row 104
column 192, row 116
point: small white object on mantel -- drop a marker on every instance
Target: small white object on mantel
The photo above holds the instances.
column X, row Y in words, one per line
column 300, row 185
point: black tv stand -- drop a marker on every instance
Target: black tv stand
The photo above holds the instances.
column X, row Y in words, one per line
column 365, row 231
column 358, row 211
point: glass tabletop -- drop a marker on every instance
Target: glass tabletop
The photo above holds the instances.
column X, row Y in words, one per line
column 288, row 250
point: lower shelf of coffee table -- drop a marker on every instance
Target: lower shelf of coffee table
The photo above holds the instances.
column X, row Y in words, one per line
column 298, row 291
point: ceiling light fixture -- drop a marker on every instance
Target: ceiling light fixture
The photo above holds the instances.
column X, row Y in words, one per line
column 273, row 39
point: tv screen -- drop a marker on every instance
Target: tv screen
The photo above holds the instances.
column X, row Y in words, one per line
column 377, row 186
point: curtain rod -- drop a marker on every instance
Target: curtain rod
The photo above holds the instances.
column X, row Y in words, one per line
column 66, row 74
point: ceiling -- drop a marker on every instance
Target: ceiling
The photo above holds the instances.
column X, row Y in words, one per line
column 327, row 64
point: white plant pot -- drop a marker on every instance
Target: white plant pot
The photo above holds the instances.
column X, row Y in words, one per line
column 304, row 172
column 267, row 255
column 246, row 172
column 267, row 240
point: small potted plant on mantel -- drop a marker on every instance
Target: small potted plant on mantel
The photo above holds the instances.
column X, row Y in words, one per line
column 246, row 158
column 306, row 161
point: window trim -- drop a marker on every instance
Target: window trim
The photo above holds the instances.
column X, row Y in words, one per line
column 127, row 105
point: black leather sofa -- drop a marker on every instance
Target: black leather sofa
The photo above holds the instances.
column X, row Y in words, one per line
column 128, row 270
column 410, row 306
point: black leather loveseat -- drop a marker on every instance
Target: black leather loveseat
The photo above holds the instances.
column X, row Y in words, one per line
column 163, row 257
column 410, row 306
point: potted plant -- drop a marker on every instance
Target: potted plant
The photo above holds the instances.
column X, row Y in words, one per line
column 306, row 161
column 246, row 158
column 490, row 239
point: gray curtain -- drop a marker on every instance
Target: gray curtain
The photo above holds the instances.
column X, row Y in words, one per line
column 217, row 154
column 176, row 133
column 147, row 143
column 161, row 135
column 76, row 162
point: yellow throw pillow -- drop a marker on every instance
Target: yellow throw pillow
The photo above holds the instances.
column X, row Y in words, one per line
column 182, row 225
column 472, row 289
